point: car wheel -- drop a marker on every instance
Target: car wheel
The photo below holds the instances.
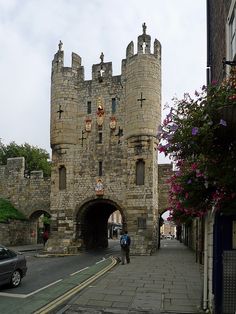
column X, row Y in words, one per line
column 15, row 278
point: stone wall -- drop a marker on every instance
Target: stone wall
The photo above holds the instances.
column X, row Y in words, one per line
column 17, row 232
column 217, row 16
column 28, row 194
column 165, row 171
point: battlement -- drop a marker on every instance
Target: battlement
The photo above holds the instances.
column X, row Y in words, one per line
column 103, row 71
column 15, row 167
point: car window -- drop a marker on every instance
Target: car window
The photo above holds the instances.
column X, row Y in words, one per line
column 11, row 253
column 3, row 254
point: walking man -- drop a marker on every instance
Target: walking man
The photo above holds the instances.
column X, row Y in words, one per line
column 125, row 245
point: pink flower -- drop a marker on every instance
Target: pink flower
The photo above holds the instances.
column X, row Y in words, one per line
column 194, row 166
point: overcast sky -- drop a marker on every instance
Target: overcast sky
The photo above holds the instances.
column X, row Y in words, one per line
column 30, row 31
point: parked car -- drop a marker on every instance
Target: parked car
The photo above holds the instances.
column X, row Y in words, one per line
column 12, row 267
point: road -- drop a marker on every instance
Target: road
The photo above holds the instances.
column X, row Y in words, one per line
column 44, row 271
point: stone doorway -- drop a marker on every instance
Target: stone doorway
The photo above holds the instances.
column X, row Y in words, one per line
column 39, row 222
column 92, row 223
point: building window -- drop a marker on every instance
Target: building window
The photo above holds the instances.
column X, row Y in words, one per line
column 140, row 166
column 113, row 105
column 231, row 31
column 89, row 107
column 62, row 178
column 142, row 223
column 99, row 137
column 100, row 168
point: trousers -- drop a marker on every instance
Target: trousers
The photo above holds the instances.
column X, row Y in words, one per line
column 125, row 255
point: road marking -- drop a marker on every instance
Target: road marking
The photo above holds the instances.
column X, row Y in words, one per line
column 51, row 284
column 56, row 302
column 78, row 271
column 12, row 295
column 102, row 260
column 23, row 296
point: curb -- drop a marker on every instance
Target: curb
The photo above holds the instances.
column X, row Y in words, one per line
column 58, row 301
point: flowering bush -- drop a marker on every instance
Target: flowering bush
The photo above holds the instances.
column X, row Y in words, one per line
column 202, row 145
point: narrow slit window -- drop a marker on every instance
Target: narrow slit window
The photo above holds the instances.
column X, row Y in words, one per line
column 113, row 105
column 89, row 107
column 62, row 178
column 100, row 168
column 140, row 167
column 100, row 137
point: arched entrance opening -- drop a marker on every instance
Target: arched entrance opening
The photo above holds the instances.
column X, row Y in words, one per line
column 168, row 227
column 39, row 222
column 92, row 223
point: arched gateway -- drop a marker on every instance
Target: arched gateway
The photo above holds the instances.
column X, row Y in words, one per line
column 104, row 148
column 92, row 222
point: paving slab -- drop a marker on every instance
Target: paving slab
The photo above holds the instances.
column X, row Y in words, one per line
column 169, row 281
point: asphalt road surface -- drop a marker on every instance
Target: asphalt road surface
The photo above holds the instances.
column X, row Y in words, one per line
column 44, row 271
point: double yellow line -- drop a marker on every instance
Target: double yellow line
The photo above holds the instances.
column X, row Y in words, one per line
column 55, row 303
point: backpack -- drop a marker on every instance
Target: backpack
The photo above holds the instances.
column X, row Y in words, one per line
column 124, row 241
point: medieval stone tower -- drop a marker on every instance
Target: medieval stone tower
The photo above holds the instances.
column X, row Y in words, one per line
column 104, row 157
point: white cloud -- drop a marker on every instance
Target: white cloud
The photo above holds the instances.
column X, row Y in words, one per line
column 31, row 29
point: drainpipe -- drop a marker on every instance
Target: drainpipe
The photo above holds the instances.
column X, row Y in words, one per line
column 205, row 278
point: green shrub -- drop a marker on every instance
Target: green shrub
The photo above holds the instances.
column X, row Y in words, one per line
column 8, row 211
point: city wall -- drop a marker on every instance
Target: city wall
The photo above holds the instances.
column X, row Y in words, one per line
column 30, row 194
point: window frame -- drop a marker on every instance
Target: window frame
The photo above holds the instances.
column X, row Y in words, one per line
column 231, row 37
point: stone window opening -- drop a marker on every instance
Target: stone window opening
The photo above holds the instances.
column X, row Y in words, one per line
column 62, row 178
column 113, row 105
column 142, row 223
column 99, row 137
column 100, row 172
column 89, row 107
column 140, row 172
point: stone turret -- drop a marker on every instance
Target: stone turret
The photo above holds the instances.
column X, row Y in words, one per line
column 143, row 88
column 64, row 99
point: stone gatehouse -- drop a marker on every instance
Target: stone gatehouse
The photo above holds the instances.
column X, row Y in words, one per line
column 104, row 148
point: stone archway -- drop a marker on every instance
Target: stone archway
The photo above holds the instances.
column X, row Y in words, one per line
column 38, row 223
column 92, row 222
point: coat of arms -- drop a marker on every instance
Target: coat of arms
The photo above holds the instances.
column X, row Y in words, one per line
column 88, row 125
column 99, row 189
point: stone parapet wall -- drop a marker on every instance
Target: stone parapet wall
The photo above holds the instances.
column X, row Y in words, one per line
column 28, row 194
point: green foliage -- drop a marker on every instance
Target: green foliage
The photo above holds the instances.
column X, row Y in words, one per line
column 199, row 135
column 46, row 220
column 8, row 211
column 35, row 158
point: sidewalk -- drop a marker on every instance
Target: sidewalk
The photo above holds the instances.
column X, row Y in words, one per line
column 167, row 282
column 27, row 248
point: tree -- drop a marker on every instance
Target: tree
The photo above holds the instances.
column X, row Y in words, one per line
column 35, row 158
